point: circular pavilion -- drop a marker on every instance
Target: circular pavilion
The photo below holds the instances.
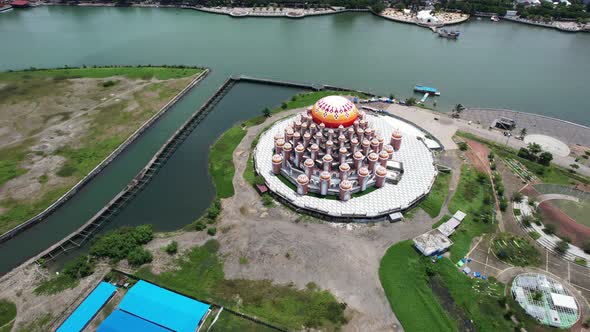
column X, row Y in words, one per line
column 339, row 161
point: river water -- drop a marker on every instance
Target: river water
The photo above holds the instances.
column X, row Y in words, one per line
column 492, row 65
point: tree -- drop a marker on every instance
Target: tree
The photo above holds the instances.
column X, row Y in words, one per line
column 534, row 148
column 517, row 197
column 456, row 112
column 139, row 256
column 523, row 132
column 79, row 268
column 172, row 248
column 545, row 158
column 411, row 101
column 561, row 247
column 550, row 229
column 266, row 112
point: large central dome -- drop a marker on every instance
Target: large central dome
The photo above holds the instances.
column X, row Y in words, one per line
column 334, row 111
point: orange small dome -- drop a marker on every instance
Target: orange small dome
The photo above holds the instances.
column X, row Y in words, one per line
column 334, row 111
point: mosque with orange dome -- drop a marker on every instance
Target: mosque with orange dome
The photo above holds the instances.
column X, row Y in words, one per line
column 338, row 160
column 330, row 149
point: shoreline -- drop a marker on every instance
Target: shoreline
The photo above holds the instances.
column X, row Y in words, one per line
column 298, row 13
column 104, row 163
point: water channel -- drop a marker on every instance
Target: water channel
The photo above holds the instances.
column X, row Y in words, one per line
column 492, row 65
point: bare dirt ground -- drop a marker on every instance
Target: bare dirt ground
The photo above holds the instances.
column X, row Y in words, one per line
column 283, row 247
column 566, row 225
column 75, row 113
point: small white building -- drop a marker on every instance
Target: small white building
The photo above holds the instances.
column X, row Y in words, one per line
column 427, row 17
column 432, row 242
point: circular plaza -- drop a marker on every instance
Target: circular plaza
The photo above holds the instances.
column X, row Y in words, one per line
column 341, row 163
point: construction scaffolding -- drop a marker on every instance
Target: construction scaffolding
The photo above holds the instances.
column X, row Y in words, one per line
column 546, row 300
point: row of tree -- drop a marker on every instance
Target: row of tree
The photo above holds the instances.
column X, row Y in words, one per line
column 548, row 11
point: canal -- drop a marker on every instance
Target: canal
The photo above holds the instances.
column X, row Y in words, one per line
column 492, row 65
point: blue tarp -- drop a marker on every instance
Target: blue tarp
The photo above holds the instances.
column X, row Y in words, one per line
column 88, row 308
column 120, row 321
column 163, row 307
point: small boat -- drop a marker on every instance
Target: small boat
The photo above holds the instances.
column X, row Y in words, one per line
column 426, row 89
column 448, row 34
column 494, row 18
column 5, row 8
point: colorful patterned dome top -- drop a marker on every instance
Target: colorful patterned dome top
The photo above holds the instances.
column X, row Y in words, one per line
column 334, row 111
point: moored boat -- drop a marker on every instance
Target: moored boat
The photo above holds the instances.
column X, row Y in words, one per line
column 448, row 34
column 494, row 18
column 5, row 8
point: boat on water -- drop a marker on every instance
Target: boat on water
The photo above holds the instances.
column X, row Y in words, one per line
column 448, row 33
column 20, row 4
column 426, row 89
column 494, row 18
column 5, row 8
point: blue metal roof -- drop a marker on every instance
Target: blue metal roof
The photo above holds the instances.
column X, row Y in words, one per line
column 88, row 308
column 120, row 321
column 423, row 88
column 163, row 307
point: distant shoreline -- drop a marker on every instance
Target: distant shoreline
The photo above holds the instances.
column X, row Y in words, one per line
column 297, row 13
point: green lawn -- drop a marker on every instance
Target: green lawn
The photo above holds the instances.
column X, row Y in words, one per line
column 221, row 165
column 161, row 73
column 470, row 198
column 435, row 199
column 548, row 174
column 228, row 322
column 200, row 274
column 7, row 312
column 405, row 276
column 402, row 275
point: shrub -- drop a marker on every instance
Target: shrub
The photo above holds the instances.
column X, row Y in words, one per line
column 580, row 261
column 517, row 212
column 212, row 231
column 550, row 229
column 143, row 234
column 517, row 197
column 535, row 235
column 79, row 268
column 503, row 204
column 561, row 247
column 139, row 256
column 463, row 146
column 214, row 210
column 267, row 200
column 526, row 220
column 109, row 83
column 199, row 226
column 172, row 248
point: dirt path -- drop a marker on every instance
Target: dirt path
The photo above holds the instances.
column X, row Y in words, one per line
column 284, row 247
column 451, row 160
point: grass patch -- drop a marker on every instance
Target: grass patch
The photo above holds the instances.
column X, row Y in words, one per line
column 7, row 312
column 228, row 322
column 405, row 276
column 516, row 250
column 548, row 174
column 10, row 161
column 473, row 197
column 160, row 73
column 580, row 261
column 56, row 285
column 435, row 199
column 200, row 274
column 221, row 165
column 402, row 275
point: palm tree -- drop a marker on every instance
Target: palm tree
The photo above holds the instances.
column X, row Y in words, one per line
column 266, row 112
column 523, row 132
column 457, row 110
